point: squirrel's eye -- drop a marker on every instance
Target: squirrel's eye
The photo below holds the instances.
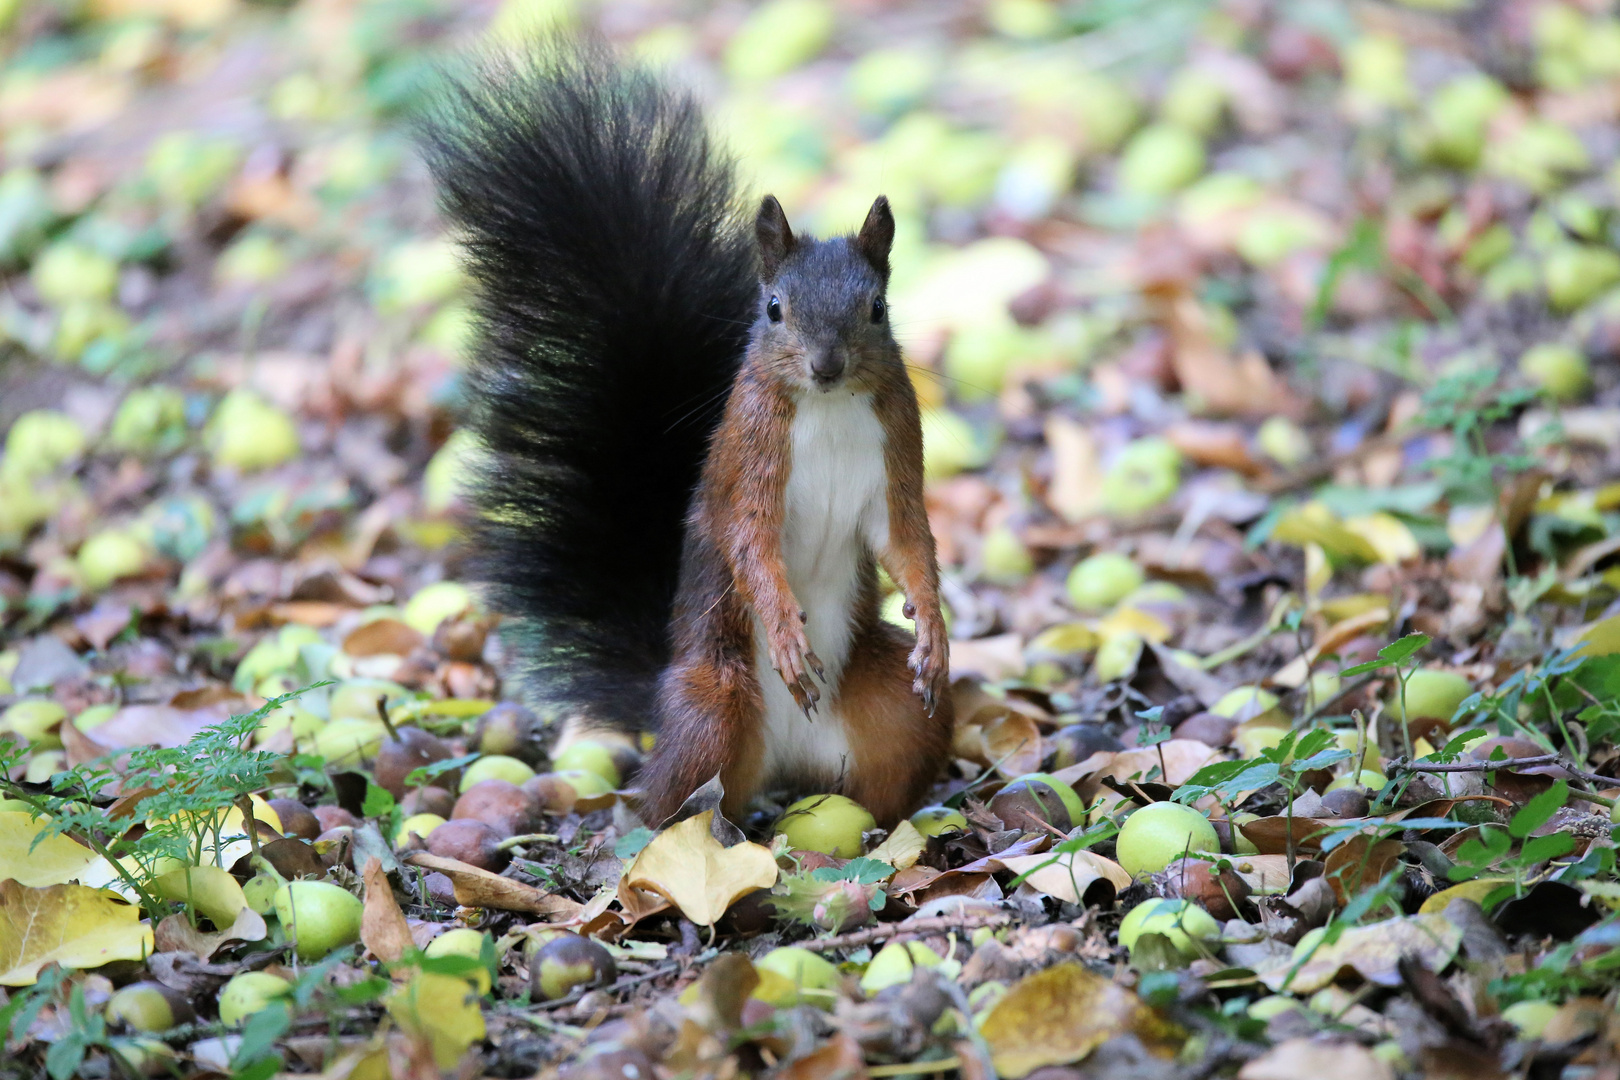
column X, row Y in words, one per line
column 773, row 309
column 878, row 309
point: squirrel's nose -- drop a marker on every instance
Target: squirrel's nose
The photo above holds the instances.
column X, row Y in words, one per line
column 827, row 365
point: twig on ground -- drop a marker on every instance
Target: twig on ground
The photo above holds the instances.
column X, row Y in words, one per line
column 938, row 924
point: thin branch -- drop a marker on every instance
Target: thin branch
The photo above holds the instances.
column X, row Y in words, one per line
column 938, row 924
column 1472, row 766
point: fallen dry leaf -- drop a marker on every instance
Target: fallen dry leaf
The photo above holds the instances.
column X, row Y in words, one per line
column 687, row 865
column 1372, row 951
column 480, row 888
column 1070, row 877
column 55, row 860
column 1060, row 1015
column 176, row 934
column 383, row 928
column 903, row 847
column 72, row 925
column 1298, row 1058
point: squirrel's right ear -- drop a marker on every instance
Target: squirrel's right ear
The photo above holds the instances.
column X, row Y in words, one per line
column 775, row 237
column 877, row 236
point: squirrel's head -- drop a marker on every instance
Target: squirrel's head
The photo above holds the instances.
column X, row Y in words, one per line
column 823, row 319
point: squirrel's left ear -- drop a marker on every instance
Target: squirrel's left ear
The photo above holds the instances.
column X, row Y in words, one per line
column 877, row 236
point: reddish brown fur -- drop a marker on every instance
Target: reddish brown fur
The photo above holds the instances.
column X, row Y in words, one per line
column 710, row 703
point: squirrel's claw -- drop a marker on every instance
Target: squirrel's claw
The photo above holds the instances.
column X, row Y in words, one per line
column 815, row 665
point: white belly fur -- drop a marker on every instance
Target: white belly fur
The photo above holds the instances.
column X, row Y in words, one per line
column 836, row 505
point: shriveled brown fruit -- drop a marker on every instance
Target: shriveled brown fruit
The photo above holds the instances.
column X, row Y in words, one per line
column 1207, row 728
column 1346, row 802
column 615, row 1064
column 338, row 841
column 333, row 817
column 428, row 800
column 510, row 730
column 1196, row 880
column 398, row 758
column 470, row 841
column 567, row 963
column 1075, row 743
column 500, row 804
column 1023, row 802
column 296, row 819
column 551, row 792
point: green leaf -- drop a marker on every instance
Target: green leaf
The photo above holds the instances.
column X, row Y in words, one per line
column 1539, row 810
column 630, row 844
column 378, row 802
column 1541, row 848
column 422, row 775
column 862, row 871
column 1397, row 651
column 259, row 1035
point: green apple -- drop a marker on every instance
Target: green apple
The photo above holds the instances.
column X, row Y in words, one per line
column 830, row 824
column 1159, row 833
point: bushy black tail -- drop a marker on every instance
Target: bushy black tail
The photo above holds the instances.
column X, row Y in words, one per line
column 614, row 282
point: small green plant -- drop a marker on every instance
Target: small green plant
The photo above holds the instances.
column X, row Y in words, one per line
column 1489, row 852
column 1466, row 403
column 1394, row 655
column 191, row 793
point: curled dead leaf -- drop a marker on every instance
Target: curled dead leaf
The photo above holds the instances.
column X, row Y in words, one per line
column 72, row 925
column 686, row 865
column 1060, row 1015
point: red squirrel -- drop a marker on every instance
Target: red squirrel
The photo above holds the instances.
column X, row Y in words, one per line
column 700, row 442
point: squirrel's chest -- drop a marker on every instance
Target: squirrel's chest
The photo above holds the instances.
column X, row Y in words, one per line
column 835, row 510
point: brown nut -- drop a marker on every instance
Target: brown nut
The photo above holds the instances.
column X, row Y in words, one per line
column 296, row 820
column 470, row 841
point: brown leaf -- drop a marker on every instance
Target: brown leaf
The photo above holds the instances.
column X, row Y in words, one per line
column 1270, row 834
column 1060, row 1015
column 1014, row 742
column 1298, row 1058
column 383, row 928
column 480, row 888
column 839, row 1058
column 1358, row 862
column 383, row 637
column 176, row 934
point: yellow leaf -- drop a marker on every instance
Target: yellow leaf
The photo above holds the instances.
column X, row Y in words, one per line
column 903, row 847
column 55, row 860
column 71, row 925
column 1062, row 640
column 210, row 890
column 687, row 866
column 1388, row 536
column 1476, row 890
column 1602, row 638
column 1060, row 1015
column 1130, row 620
column 441, row 1008
column 1313, row 523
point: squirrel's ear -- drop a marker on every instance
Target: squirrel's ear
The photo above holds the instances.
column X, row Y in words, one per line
column 877, row 236
column 775, row 236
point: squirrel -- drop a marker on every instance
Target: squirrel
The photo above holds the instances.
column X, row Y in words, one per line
column 699, row 442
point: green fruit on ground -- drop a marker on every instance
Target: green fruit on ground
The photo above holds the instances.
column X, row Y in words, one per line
column 1003, row 557
column 1244, row 703
column 950, row 444
column 807, row 975
column 777, row 37
column 147, row 419
column 1283, row 441
column 320, row 917
column 463, row 941
column 66, row 272
column 894, row 963
column 1130, row 927
column 1430, row 695
column 1102, row 580
column 291, row 717
column 830, row 824
column 938, row 820
column 495, row 767
column 109, row 555
column 247, row 433
column 1560, row 370
column 1160, row 833
column 590, row 756
column 1530, row 1018
column 1370, row 757
column 586, row 784
column 357, row 698
column 33, row 719
column 260, row 892
column 435, row 603
column 1371, row 779
column 1576, row 273
column 568, row 962
column 348, row 742
column 41, row 440
column 249, row 993
column 1272, row 1005
column 44, row 765
column 142, row 1006
column 1117, row 657
column 94, row 716
column 1160, row 160
column 420, row 824
column 1187, row 926
column 1194, row 100
column 1143, row 475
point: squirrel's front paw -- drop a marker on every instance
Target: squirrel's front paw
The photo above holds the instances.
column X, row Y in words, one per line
column 794, row 662
column 930, row 663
